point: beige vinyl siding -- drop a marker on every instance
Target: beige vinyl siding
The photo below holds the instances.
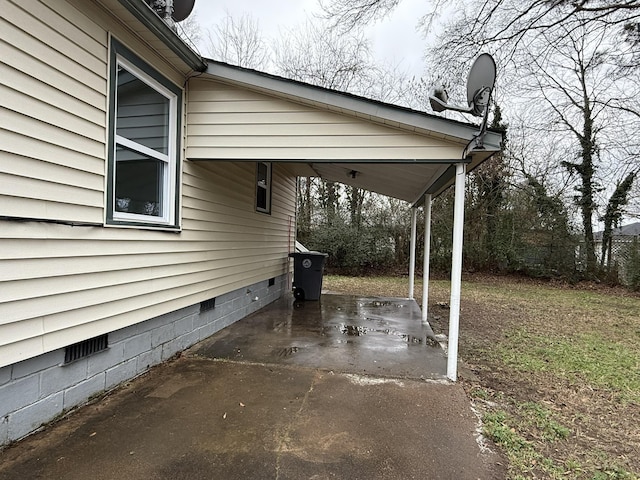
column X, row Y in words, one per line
column 228, row 122
column 53, row 84
column 62, row 284
column 53, row 102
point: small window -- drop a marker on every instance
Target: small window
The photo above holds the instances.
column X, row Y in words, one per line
column 144, row 148
column 263, row 187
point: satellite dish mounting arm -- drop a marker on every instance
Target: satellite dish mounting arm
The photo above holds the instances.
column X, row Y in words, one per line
column 440, row 105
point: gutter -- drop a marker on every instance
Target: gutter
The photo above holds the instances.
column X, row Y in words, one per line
column 160, row 29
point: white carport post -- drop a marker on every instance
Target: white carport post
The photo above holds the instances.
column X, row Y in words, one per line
column 426, row 258
column 456, row 273
column 412, row 253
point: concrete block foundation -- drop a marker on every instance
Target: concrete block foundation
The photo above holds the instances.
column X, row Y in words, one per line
column 37, row 390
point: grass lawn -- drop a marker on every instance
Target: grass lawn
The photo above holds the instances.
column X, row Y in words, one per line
column 554, row 369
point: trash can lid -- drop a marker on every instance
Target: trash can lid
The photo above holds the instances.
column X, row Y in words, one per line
column 308, row 254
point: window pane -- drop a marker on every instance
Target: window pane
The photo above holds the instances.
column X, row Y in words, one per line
column 139, row 183
column 263, row 186
column 262, row 174
column 262, row 198
column 142, row 112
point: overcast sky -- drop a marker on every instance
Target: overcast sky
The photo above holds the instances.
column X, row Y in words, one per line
column 394, row 40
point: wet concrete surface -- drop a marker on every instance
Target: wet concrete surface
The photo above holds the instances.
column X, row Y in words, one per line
column 372, row 336
column 205, row 416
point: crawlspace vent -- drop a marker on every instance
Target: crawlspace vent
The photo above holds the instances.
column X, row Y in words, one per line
column 208, row 305
column 85, row 348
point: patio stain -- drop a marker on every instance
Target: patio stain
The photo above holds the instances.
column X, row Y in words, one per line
column 353, row 329
column 358, row 330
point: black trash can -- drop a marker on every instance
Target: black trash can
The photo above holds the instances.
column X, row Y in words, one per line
column 307, row 274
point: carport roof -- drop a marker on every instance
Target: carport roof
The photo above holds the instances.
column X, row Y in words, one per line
column 406, row 177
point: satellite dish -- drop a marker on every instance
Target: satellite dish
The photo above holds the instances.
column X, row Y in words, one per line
column 439, row 93
column 182, row 9
column 480, row 83
column 482, row 78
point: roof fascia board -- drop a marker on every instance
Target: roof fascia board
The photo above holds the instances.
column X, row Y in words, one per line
column 445, row 180
column 437, row 186
column 145, row 14
column 351, row 103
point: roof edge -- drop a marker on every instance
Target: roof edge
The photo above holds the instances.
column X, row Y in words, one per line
column 145, row 14
column 350, row 102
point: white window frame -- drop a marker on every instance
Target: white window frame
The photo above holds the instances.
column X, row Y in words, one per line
column 169, row 204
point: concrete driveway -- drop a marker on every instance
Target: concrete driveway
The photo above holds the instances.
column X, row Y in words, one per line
column 278, row 395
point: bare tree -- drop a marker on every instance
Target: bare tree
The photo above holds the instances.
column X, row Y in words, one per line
column 189, row 30
column 238, row 41
column 495, row 21
column 612, row 216
column 313, row 54
column 576, row 81
column 348, row 14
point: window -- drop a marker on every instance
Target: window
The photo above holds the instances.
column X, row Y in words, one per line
column 263, row 187
column 145, row 108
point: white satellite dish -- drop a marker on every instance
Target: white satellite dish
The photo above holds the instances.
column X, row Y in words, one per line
column 482, row 78
column 480, row 83
column 182, row 9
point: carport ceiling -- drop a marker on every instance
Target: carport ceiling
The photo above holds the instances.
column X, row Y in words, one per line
column 404, row 181
column 408, row 181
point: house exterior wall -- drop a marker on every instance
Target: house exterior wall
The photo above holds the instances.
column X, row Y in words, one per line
column 53, row 87
column 227, row 121
column 61, row 283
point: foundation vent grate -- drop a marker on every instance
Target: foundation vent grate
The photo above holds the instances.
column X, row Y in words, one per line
column 85, row 348
column 208, row 305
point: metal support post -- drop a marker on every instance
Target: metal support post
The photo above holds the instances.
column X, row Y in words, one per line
column 426, row 260
column 412, row 252
column 456, row 273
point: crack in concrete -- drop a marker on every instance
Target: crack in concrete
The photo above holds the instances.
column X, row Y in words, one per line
column 284, row 439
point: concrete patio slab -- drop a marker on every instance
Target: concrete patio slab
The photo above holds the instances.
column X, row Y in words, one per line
column 208, row 416
column 343, row 333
